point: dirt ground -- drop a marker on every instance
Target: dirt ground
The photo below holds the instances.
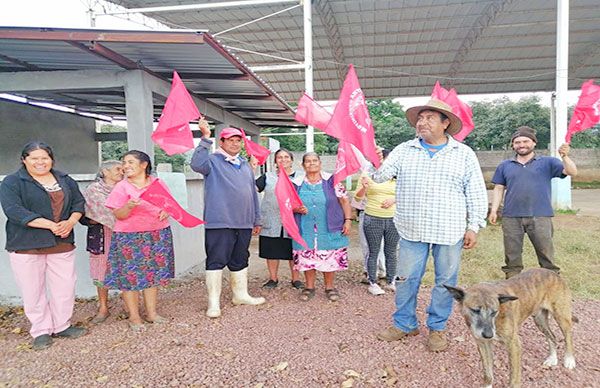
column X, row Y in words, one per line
column 284, row 343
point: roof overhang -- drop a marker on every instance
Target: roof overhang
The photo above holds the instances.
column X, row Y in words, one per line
column 84, row 69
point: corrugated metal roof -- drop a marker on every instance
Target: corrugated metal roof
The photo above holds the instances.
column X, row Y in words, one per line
column 400, row 48
column 209, row 70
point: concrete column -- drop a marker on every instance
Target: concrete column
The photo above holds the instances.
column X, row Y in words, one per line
column 140, row 113
column 561, row 188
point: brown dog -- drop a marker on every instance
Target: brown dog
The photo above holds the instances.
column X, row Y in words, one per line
column 497, row 310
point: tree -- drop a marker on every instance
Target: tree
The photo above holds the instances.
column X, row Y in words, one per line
column 496, row 120
column 389, row 122
column 116, row 150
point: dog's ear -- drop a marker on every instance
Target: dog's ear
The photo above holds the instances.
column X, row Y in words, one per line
column 457, row 293
column 502, row 298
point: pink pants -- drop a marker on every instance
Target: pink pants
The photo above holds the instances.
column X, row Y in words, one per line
column 32, row 272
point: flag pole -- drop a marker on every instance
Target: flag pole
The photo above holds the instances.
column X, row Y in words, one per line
column 308, row 67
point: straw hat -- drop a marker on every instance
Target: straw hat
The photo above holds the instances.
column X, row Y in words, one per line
column 438, row 106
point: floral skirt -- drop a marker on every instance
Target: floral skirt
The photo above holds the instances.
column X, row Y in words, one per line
column 140, row 260
column 321, row 260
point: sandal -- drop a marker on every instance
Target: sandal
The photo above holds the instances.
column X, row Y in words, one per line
column 332, row 294
column 307, row 294
column 98, row 319
column 158, row 320
column 137, row 327
column 298, row 284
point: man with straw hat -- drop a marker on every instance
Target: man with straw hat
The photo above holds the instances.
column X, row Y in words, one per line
column 441, row 202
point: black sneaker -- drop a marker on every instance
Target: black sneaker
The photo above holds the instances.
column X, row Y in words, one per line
column 270, row 284
column 42, row 342
column 71, row 332
column 298, row 284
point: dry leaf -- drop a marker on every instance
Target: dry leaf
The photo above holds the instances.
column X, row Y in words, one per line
column 392, row 381
column 23, row 346
column 16, row 330
column 351, row 373
column 102, row 379
column 281, row 366
column 391, row 371
column 348, row 383
column 259, row 385
column 459, row 339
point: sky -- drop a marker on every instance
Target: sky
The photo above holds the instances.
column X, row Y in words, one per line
column 73, row 14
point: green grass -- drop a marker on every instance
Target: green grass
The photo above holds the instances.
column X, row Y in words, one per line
column 577, row 252
column 586, row 185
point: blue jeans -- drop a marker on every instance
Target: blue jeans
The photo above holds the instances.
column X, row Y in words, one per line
column 412, row 264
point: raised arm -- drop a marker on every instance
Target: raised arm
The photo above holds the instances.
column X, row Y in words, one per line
column 570, row 167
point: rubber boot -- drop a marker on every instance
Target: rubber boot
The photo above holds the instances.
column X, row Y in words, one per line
column 213, row 284
column 239, row 287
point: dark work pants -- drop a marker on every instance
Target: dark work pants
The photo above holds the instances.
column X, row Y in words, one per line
column 540, row 232
column 227, row 248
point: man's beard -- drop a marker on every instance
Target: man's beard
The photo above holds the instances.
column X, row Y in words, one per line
column 524, row 152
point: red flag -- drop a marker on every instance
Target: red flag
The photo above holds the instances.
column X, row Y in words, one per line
column 351, row 121
column 159, row 197
column 173, row 132
column 311, row 113
column 346, row 163
column 288, row 199
column 459, row 108
column 587, row 110
column 259, row 152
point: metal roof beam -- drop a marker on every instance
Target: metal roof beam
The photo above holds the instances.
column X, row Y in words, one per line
column 57, row 34
column 481, row 24
column 333, row 35
column 189, row 7
column 16, row 61
column 59, row 80
column 231, row 96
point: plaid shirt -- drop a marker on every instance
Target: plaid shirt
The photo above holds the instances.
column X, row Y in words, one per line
column 438, row 198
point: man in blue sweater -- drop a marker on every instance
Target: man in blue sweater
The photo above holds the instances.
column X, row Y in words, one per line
column 528, row 206
column 231, row 212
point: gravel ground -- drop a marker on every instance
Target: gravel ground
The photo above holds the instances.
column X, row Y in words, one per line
column 284, row 343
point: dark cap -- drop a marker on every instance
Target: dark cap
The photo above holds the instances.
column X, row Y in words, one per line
column 524, row 131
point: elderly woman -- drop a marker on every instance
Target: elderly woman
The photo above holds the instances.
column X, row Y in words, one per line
column 42, row 205
column 274, row 244
column 141, row 256
column 324, row 222
column 101, row 221
column 378, row 225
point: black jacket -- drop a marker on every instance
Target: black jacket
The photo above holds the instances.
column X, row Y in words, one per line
column 23, row 200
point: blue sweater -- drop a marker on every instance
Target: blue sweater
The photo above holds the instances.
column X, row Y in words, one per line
column 230, row 197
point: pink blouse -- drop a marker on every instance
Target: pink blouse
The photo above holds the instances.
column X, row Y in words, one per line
column 143, row 217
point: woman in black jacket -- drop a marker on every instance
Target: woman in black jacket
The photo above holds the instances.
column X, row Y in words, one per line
column 42, row 205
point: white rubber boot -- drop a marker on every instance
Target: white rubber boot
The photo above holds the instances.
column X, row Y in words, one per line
column 214, row 280
column 239, row 287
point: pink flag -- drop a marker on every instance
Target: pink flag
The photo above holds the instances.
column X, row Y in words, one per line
column 311, row 113
column 587, row 110
column 346, row 163
column 351, row 121
column 459, row 108
column 259, row 152
column 159, row 197
column 173, row 132
column 288, row 199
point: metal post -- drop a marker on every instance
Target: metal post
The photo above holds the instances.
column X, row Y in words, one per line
column 308, row 67
column 561, row 188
